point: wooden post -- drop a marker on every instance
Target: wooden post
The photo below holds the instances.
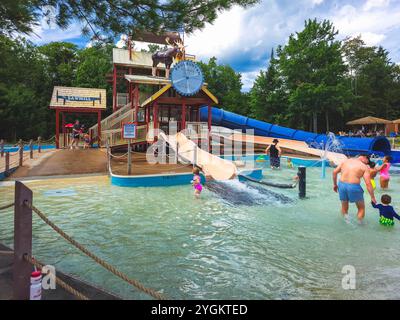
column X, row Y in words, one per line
column 183, row 116
column 64, row 139
column 21, row 152
column 31, row 149
column 115, row 88
column 57, row 129
column 99, row 128
column 39, row 144
column 129, row 157
column 7, row 164
column 209, row 127
column 2, row 148
column 22, row 242
column 302, row 182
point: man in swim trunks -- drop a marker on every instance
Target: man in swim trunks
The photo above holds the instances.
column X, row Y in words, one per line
column 351, row 171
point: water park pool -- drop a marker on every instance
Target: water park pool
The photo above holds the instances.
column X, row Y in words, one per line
column 273, row 247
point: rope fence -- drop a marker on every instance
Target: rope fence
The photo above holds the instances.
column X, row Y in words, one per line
column 100, row 261
column 6, row 206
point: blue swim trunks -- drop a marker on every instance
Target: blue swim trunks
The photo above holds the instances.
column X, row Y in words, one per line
column 351, row 192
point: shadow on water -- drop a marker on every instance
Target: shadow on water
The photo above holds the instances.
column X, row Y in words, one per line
column 247, row 193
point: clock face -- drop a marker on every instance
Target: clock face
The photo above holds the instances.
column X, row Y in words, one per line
column 187, row 78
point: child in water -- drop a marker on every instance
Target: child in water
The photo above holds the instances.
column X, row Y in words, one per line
column 373, row 172
column 384, row 172
column 386, row 212
column 289, row 163
column 197, row 182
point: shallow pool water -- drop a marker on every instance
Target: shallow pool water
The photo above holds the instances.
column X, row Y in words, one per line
column 214, row 248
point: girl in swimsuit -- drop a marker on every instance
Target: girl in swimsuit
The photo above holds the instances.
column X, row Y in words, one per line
column 384, row 172
column 197, row 182
column 373, row 172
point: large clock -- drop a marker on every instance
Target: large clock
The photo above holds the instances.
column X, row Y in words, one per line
column 187, row 78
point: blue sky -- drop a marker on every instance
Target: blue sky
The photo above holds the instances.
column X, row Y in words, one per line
column 244, row 38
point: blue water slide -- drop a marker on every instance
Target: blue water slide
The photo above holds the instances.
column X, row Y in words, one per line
column 350, row 146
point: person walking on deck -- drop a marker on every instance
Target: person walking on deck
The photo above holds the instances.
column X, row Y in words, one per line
column 76, row 132
column 349, row 188
column 274, row 154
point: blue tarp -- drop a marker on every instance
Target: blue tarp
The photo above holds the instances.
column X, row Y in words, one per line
column 350, row 146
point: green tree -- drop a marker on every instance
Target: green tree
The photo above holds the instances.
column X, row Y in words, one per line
column 226, row 84
column 374, row 79
column 268, row 101
column 313, row 70
column 24, row 91
column 113, row 17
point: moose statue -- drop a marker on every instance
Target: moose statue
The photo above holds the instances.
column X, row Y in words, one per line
column 176, row 52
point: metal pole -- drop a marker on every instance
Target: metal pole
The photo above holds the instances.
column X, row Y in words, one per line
column 302, row 182
column 21, row 152
column 323, row 168
column 22, row 242
column 31, row 149
column 129, row 157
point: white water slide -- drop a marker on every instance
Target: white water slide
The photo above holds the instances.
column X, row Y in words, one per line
column 211, row 165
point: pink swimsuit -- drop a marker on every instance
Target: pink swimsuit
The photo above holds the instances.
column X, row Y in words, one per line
column 385, row 172
column 198, row 186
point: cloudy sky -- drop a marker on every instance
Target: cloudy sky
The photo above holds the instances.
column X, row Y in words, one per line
column 244, row 38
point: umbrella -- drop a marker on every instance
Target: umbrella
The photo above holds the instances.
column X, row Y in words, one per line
column 368, row 120
column 396, row 121
column 69, row 125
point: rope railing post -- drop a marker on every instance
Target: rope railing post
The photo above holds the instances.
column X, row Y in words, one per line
column 302, row 182
column 31, row 149
column 7, row 169
column 22, row 241
column 2, row 148
column 21, row 152
column 39, row 144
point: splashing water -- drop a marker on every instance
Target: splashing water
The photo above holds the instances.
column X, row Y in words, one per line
column 332, row 144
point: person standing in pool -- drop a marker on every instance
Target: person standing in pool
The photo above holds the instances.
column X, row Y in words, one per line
column 197, row 182
column 274, row 154
column 349, row 188
column 384, row 172
column 386, row 211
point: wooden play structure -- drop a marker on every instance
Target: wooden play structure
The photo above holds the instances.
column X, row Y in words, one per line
column 150, row 102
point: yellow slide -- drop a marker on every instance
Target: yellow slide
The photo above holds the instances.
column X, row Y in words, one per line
column 211, row 165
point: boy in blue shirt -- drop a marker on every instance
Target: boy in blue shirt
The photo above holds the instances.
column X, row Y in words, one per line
column 386, row 211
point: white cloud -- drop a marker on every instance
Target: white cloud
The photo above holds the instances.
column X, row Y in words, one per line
column 370, row 4
column 45, row 33
column 248, row 79
column 371, row 39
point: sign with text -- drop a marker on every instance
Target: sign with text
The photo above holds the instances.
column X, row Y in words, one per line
column 76, row 97
column 128, row 130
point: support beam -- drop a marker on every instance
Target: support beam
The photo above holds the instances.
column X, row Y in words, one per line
column 209, row 127
column 63, row 129
column 183, row 122
column 99, row 128
column 115, row 88
column 57, row 129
